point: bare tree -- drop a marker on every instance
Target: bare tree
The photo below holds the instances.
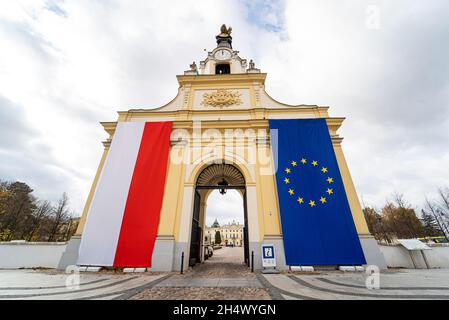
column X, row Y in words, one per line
column 60, row 217
column 400, row 201
column 40, row 214
column 401, row 220
column 442, row 209
column 376, row 224
column 70, row 227
column 444, row 194
column 22, row 216
column 444, row 206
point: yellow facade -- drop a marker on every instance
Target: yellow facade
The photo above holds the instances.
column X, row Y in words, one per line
column 231, row 129
column 257, row 119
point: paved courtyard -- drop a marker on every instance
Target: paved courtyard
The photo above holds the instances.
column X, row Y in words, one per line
column 224, row 276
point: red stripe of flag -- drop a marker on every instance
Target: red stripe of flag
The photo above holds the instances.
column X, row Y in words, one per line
column 143, row 205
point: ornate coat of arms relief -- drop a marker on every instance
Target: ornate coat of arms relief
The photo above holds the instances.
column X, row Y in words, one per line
column 221, row 98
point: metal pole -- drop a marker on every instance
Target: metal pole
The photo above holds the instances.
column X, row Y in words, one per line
column 182, row 262
column 252, row 261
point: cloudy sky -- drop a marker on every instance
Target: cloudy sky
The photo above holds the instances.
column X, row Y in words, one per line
column 66, row 65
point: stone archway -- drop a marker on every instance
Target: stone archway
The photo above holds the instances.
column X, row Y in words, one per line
column 215, row 177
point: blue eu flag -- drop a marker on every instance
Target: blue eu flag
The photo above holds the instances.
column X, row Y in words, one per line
column 317, row 224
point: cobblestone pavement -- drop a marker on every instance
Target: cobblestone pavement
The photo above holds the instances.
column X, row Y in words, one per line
column 223, row 276
column 227, row 262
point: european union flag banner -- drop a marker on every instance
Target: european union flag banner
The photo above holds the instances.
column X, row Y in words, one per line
column 317, row 224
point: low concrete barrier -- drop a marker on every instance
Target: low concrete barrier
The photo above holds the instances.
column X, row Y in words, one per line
column 15, row 255
column 398, row 257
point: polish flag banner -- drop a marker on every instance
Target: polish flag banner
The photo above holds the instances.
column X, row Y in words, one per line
column 123, row 218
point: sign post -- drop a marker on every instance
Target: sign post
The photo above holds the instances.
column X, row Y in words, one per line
column 269, row 259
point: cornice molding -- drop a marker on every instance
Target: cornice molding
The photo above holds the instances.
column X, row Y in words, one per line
column 235, row 78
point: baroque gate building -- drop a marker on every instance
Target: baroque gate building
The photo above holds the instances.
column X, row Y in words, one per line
column 219, row 140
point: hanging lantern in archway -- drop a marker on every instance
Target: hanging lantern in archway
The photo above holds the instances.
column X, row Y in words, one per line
column 223, row 182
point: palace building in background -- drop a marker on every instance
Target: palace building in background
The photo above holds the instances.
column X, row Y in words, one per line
column 231, row 234
column 146, row 206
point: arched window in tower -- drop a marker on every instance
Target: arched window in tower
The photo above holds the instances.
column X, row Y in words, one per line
column 223, row 68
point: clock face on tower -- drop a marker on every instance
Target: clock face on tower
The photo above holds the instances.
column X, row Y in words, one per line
column 222, row 54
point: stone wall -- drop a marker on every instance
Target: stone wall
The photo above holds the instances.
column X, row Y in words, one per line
column 398, row 257
column 15, row 255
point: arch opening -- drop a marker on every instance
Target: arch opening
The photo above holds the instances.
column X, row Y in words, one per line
column 220, row 176
column 234, row 234
column 223, row 68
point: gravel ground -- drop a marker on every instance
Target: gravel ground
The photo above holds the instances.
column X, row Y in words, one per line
column 202, row 293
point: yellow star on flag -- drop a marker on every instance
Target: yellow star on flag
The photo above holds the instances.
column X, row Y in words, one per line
column 330, row 191
column 291, row 191
column 312, row 203
column 324, row 169
column 287, row 170
column 303, row 161
column 294, row 163
column 323, row 200
column 300, row 200
column 314, row 163
column 330, row 180
column 287, row 180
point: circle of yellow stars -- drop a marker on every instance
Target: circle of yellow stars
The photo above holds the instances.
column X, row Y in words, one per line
column 300, row 200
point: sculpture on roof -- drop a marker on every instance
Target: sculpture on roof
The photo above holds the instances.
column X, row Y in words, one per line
column 225, row 32
column 193, row 67
column 252, row 65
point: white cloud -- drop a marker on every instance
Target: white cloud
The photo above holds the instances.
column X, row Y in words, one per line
column 225, row 208
column 392, row 84
column 64, row 66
